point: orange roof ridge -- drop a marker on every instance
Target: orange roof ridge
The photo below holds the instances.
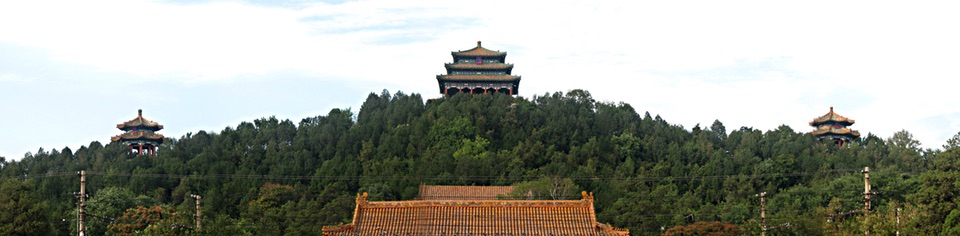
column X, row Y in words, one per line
column 498, row 203
column 454, row 192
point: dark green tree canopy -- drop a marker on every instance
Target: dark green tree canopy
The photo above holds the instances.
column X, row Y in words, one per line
column 274, row 177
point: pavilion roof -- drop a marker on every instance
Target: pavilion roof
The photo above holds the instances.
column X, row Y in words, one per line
column 138, row 135
column 479, row 51
column 479, row 77
column 439, row 192
column 837, row 131
column 831, row 117
column 139, row 122
column 487, row 66
column 474, row 217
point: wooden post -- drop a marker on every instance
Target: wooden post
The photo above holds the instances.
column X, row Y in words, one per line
column 197, row 199
column 81, row 224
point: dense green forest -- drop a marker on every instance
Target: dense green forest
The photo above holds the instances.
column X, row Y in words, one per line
column 278, row 177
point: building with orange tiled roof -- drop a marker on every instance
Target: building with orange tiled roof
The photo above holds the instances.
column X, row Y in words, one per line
column 478, row 70
column 834, row 126
column 140, row 134
column 440, row 192
column 475, row 217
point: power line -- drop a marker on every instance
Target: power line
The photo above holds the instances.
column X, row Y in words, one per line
column 356, row 177
column 462, row 178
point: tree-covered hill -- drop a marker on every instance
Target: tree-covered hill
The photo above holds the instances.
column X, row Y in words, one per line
column 278, row 177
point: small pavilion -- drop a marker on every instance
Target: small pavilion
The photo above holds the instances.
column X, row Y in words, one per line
column 140, row 134
column 832, row 126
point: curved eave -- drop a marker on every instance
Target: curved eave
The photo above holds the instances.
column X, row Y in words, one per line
column 475, row 78
column 478, row 51
column 140, row 122
column 138, row 136
column 606, row 228
column 340, row 229
column 153, row 127
column 836, row 132
column 832, row 117
column 492, row 66
column 847, row 122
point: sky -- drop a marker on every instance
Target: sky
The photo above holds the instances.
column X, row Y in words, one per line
column 71, row 70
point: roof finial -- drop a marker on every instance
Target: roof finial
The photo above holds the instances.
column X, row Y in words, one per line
column 139, row 112
column 478, row 43
column 831, row 108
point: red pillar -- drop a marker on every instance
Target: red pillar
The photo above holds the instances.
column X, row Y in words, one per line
column 141, row 150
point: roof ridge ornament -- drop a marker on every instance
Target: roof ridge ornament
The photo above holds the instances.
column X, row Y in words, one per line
column 362, row 199
column 478, row 43
column 140, row 112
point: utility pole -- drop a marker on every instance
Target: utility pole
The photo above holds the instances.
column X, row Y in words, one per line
column 866, row 197
column 763, row 213
column 866, row 189
column 197, row 199
column 898, row 220
column 81, row 225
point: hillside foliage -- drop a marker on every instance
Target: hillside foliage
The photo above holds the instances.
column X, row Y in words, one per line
column 280, row 177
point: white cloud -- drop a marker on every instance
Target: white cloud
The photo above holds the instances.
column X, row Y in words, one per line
column 12, row 78
column 747, row 63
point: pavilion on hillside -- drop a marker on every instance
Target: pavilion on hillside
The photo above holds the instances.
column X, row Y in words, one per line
column 478, row 71
column 140, row 134
column 833, row 126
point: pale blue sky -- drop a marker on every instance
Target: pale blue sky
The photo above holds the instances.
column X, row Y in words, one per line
column 71, row 70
